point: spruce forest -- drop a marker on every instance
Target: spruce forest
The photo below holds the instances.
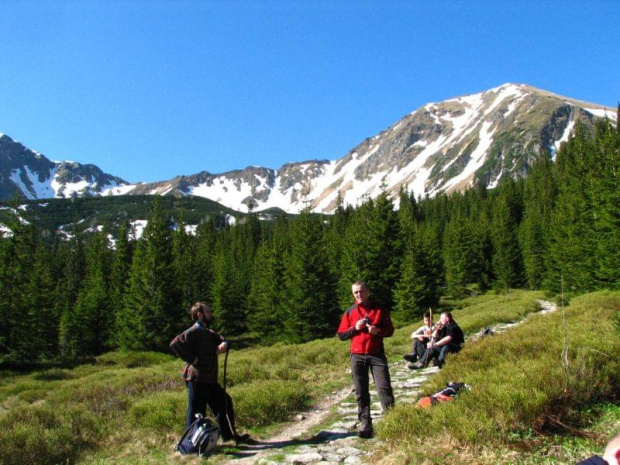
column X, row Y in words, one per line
column 289, row 280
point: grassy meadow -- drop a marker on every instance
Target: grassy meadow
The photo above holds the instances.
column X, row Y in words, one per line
column 543, row 392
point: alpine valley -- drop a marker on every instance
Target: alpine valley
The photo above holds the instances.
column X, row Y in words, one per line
column 441, row 147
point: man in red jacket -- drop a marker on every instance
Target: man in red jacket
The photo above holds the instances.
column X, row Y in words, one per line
column 366, row 324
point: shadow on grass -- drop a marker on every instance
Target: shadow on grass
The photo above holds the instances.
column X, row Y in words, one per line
column 29, row 367
column 248, row 450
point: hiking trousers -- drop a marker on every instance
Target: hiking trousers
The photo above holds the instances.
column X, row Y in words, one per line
column 199, row 395
column 440, row 353
column 361, row 365
column 419, row 348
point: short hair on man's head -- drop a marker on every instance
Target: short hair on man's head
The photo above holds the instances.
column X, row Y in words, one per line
column 198, row 307
column 448, row 314
column 427, row 315
column 360, row 283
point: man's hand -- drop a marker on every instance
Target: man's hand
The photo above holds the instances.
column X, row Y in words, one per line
column 360, row 324
column 222, row 347
column 373, row 329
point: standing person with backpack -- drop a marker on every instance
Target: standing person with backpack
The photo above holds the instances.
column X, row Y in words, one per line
column 366, row 324
column 199, row 347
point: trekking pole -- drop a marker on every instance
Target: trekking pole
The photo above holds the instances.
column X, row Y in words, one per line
column 225, row 365
column 226, row 396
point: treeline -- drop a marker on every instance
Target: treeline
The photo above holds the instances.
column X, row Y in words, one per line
column 289, row 280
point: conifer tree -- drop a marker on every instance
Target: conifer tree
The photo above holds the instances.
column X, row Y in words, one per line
column 229, row 297
column 311, row 306
column 266, row 299
column 461, row 253
column 16, row 318
column 121, row 267
column 539, row 197
column 372, row 251
column 420, row 281
column 151, row 314
column 69, row 282
column 266, row 293
column 206, row 235
column 73, row 263
column 185, row 266
column 385, row 251
column 41, row 297
column 606, row 201
column 87, row 327
column 335, row 240
column 483, row 266
column 354, row 263
column 232, row 274
column 572, row 248
column 507, row 260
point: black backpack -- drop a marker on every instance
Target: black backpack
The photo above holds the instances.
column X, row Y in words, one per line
column 200, row 438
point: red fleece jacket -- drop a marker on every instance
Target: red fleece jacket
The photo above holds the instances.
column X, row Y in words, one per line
column 362, row 342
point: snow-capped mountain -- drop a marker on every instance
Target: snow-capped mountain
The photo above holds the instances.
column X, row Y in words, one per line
column 441, row 147
column 34, row 176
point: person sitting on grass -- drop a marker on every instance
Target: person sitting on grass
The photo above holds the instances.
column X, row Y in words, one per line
column 448, row 338
column 420, row 338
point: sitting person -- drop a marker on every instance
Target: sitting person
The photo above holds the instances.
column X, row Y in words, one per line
column 447, row 339
column 420, row 338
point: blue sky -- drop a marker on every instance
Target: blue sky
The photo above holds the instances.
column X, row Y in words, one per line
column 148, row 90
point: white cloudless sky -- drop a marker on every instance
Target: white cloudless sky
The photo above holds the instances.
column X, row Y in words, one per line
column 151, row 89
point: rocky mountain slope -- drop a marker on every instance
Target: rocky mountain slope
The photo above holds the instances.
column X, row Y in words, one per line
column 441, row 147
column 34, row 176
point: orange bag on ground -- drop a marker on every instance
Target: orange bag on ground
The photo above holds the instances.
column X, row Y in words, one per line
column 447, row 394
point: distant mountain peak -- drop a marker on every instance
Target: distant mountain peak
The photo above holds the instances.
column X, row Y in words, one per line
column 444, row 146
column 34, row 176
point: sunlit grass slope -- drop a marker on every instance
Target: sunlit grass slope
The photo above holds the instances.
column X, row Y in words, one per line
column 524, row 391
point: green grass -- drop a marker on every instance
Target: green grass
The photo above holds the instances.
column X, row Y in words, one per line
column 520, row 388
column 130, row 407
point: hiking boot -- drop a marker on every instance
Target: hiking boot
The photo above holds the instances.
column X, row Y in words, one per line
column 411, row 357
column 437, row 363
column 415, row 366
column 242, row 439
column 365, row 430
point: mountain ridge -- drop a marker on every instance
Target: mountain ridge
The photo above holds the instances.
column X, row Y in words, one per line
column 440, row 147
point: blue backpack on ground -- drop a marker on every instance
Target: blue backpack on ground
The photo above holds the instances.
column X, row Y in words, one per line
column 200, row 438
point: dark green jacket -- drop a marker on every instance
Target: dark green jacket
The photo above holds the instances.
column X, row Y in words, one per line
column 197, row 346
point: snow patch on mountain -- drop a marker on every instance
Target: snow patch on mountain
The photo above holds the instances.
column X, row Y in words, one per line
column 223, row 190
column 118, row 189
column 602, row 113
column 567, row 132
column 70, row 188
column 37, row 189
column 476, row 159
